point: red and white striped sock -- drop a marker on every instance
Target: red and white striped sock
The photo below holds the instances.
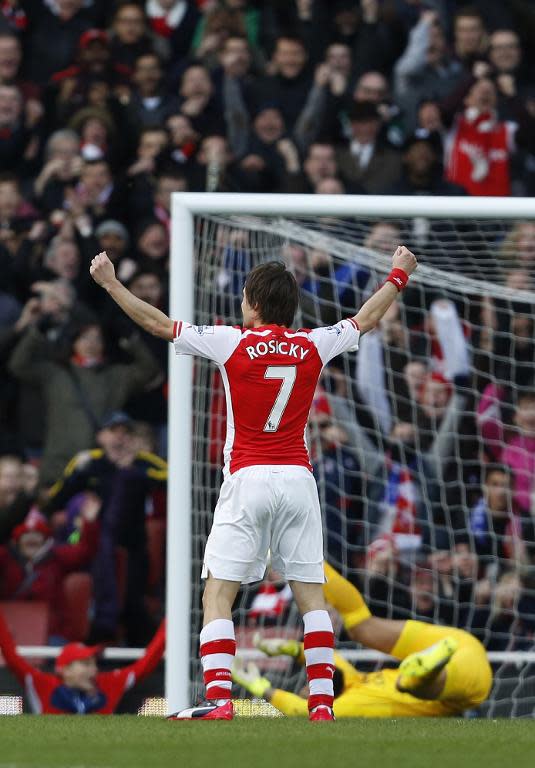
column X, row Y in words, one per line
column 218, row 648
column 319, row 657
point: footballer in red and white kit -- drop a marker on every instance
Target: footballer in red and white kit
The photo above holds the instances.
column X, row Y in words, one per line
column 269, row 499
column 268, row 502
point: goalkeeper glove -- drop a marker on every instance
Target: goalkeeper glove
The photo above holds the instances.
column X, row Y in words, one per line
column 276, row 646
column 249, row 677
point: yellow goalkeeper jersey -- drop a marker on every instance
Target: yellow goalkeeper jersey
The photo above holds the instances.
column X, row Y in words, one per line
column 375, row 694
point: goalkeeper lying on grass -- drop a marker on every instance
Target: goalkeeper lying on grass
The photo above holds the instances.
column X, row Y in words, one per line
column 443, row 671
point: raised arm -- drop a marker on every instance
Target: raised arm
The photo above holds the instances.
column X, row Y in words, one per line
column 17, row 664
column 148, row 317
column 152, row 656
column 133, row 673
column 403, row 264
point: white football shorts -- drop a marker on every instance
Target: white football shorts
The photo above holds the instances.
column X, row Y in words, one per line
column 262, row 509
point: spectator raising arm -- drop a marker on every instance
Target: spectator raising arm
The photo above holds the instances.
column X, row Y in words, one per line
column 141, row 668
column 16, row 663
column 143, row 368
column 414, row 57
column 73, row 557
column 60, row 693
column 28, row 361
column 74, row 480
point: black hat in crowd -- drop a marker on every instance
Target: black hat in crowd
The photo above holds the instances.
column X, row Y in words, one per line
column 363, row 111
column 432, row 138
column 116, row 419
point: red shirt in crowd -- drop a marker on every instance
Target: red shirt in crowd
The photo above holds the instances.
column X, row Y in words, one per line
column 478, row 157
column 42, row 578
column 47, row 694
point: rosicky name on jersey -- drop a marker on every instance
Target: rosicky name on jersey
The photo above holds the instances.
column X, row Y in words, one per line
column 270, row 374
column 274, row 347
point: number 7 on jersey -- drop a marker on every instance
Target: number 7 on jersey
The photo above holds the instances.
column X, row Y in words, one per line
column 287, row 373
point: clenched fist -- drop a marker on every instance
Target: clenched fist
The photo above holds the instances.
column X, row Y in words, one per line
column 102, row 270
column 404, row 259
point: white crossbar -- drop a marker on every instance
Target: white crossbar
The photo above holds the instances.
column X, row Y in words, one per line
column 355, row 656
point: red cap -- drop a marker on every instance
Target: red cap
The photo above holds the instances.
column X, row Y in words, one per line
column 31, row 525
column 91, row 35
column 76, row 652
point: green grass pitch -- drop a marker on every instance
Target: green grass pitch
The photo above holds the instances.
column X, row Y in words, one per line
column 142, row 742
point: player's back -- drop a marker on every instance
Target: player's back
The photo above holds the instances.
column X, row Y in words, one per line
column 270, row 375
column 271, row 380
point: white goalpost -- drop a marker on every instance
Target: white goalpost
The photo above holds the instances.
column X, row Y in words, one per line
column 332, row 231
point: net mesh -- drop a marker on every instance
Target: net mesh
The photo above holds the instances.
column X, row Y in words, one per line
column 423, row 443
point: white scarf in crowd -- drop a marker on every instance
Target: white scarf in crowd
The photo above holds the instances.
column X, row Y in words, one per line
column 173, row 17
column 371, row 379
column 450, row 336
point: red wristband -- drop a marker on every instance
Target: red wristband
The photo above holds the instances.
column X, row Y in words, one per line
column 399, row 278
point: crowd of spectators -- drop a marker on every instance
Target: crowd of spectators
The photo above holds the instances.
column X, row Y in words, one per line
column 106, row 109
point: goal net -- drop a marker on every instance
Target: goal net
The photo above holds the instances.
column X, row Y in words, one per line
column 423, row 442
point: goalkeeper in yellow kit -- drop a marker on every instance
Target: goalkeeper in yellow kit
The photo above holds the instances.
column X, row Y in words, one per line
column 443, row 670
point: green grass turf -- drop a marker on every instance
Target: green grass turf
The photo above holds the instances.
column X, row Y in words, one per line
column 132, row 742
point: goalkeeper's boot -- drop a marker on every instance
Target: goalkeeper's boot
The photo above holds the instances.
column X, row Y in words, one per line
column 419, row 667
column 321, row 713
column 207, row 710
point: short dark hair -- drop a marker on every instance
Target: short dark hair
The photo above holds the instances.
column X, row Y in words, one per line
column 9, row 35
column 157, row 128
column 169, row 170
column 527, row 396
column 272, row 290
column 236, row 36
column 144, row 272
column 491, row 468
column 7, row 177
column 319, row 142
column 149, row 54
column 97, row 161
column 128, row 4
column 469, row 11
column 290, row 37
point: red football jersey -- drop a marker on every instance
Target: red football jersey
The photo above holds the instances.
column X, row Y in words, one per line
column 270, row 376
